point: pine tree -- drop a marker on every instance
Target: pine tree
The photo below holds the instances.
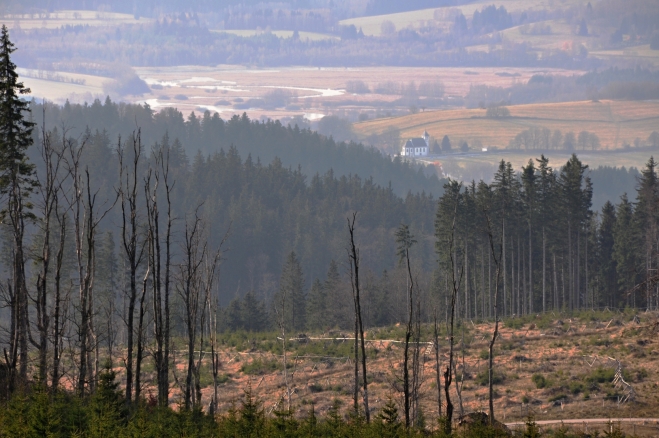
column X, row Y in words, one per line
column 646, row 222
column 317, row 307
column 607, row 264
column 624, row 250
column 16, row 182
column 291, row 284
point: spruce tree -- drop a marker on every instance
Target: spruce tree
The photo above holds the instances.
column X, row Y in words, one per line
column 317, row 307
column 291, row 284
column 16, row 182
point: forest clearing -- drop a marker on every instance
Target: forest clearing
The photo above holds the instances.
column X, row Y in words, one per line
column 549, row 366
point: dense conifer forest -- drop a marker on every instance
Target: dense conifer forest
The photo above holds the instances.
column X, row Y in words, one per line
column 116, row 239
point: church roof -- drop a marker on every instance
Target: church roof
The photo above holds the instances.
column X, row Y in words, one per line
column 416, row 143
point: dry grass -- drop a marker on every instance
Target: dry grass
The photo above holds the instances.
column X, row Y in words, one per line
column 59, row 19
column 613, row 121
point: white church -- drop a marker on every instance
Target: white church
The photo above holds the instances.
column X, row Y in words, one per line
column 417, row 147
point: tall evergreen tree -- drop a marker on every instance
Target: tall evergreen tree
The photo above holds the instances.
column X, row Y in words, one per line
column 624, row 250
column 16, row 182
column 291, row 283
column 317, row 307
column 605, row 255
column 646, row 224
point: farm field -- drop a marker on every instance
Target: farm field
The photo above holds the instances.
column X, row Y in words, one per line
column 371, row 25
column 569, row 353
column 631, row 54
column 57, row 19
column 311, row 36
column 615, row 122
column 58, row 86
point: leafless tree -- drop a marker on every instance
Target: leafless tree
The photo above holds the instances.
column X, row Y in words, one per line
column 405, row 240
column 86, row 218
column 359, row 326
column 456, row 280
column 134, row 250
column 495, row 333
column 160, row 297
column 280, row 312
column 437, row 365
column 50, row 185
column 197, row 272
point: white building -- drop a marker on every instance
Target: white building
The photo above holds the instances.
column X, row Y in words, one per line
column 416, row 147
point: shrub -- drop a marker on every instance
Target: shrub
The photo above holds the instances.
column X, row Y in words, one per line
column 539, row 380
column 497, row 112
column 315, row 388
column 259, row 367
column 483, row 378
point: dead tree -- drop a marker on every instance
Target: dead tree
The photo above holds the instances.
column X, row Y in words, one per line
column 405, row 240
column 354, row 274
column 437, row 366
column 86, row 219
column 495, row 333
column 134, row 250
column 140, row 337
column 213, row 308
column 61, row 297
column 280, row 314
column 189, row 288
column 50, row 185
column 160, row 297
column 456, row 280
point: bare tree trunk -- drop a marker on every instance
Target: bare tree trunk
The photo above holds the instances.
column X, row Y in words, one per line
column 193, row 255
column 85, row 223
column 281, row 322
column 544, row 270
column 497, row 262
column 437, row 366
column 50, row 186
column 354, row 257
column 454, row 293
column 140, row 338
column 133, row 249
column 57, row 304
column 408, row 334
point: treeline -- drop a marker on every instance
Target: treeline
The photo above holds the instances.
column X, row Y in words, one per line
column 612, row 83
column 545, row 139
column 557, row 253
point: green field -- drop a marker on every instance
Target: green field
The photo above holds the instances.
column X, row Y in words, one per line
column 304, row 36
